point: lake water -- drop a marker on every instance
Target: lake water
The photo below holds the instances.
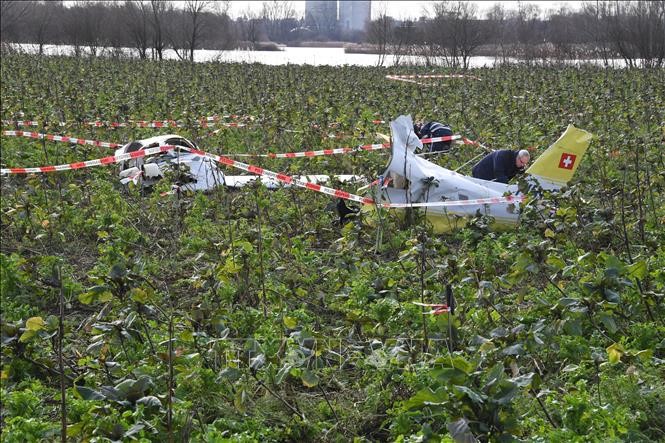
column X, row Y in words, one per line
column 295, row 56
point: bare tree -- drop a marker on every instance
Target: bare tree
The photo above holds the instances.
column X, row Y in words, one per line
column 527, row 30
column 93, row 28
column 39, row 26
column 458, row 31
column 380, row 33
column 278, row 17
column 646, row 31
column 251, row 29
column 636, row 31
column 189, row 32
column 85, row 25
column 467, row 30
column 498, row 29
column 437, row 43
column 195, row 9
column 114, row 37
column 137, row 21
column 222, row 32
column 72, row 32
column 560, row 34
column 595, row 26
column 159, row 10
column 405, row 37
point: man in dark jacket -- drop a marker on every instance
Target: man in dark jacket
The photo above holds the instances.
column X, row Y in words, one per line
column 501, row 165
column 431, row 130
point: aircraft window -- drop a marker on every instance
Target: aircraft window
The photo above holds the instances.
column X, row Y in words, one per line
column 463, row 197
column 133, row 146
column 179, row 142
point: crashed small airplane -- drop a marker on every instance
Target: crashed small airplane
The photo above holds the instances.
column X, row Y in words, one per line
column 197, row 172
column 420, row 183
column 449, row 198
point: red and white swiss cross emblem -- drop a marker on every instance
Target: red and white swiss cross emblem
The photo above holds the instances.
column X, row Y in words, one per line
column 567, row 161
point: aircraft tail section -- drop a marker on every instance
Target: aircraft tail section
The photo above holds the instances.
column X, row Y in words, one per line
column 556, row 166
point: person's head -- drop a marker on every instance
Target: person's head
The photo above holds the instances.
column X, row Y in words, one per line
column 417, row 126
column 522, row 159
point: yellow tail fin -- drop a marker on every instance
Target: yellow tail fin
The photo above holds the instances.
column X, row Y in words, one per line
column 557, row 165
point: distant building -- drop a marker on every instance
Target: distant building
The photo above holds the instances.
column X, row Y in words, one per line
column 354, row 15
column 321, row 15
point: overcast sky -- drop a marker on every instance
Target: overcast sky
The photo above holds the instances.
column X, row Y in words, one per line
column 401, row 9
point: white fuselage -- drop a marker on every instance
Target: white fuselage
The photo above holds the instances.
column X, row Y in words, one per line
column 417, row 180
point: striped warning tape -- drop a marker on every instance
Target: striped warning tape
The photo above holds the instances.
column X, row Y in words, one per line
column 203, row 122
column 138, row 123
column 24, row 123
column 372, row 147
column 406, row 80
column 127, row 124
column 438, row 308
column 216, row 118
column 206, row 122
column 283, row 178
column 86, row 164
column 61, row 138
column 474, row 202
column 313, row 125
column 162, row 124
column 404, row 77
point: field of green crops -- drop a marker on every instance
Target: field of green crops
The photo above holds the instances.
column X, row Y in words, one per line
column 254, row 315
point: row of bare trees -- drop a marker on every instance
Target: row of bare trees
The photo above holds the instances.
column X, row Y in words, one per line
column 149, row 27
column 630, row 30
column 450, row 33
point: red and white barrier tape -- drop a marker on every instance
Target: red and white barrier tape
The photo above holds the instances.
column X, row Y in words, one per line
column 216, row 118
column 140, row 123
column 134, row 123
column 89, row 163
column 445, row 138
column 474, row 202
column 313, row 125
column 29, row 123
column 205, row 122
column 411, row 76
column 406, row 80
column 337, row 124
column 61, row 138
column 374, row 147
column 161, row 124
column 285, row 178
column 438, row 308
